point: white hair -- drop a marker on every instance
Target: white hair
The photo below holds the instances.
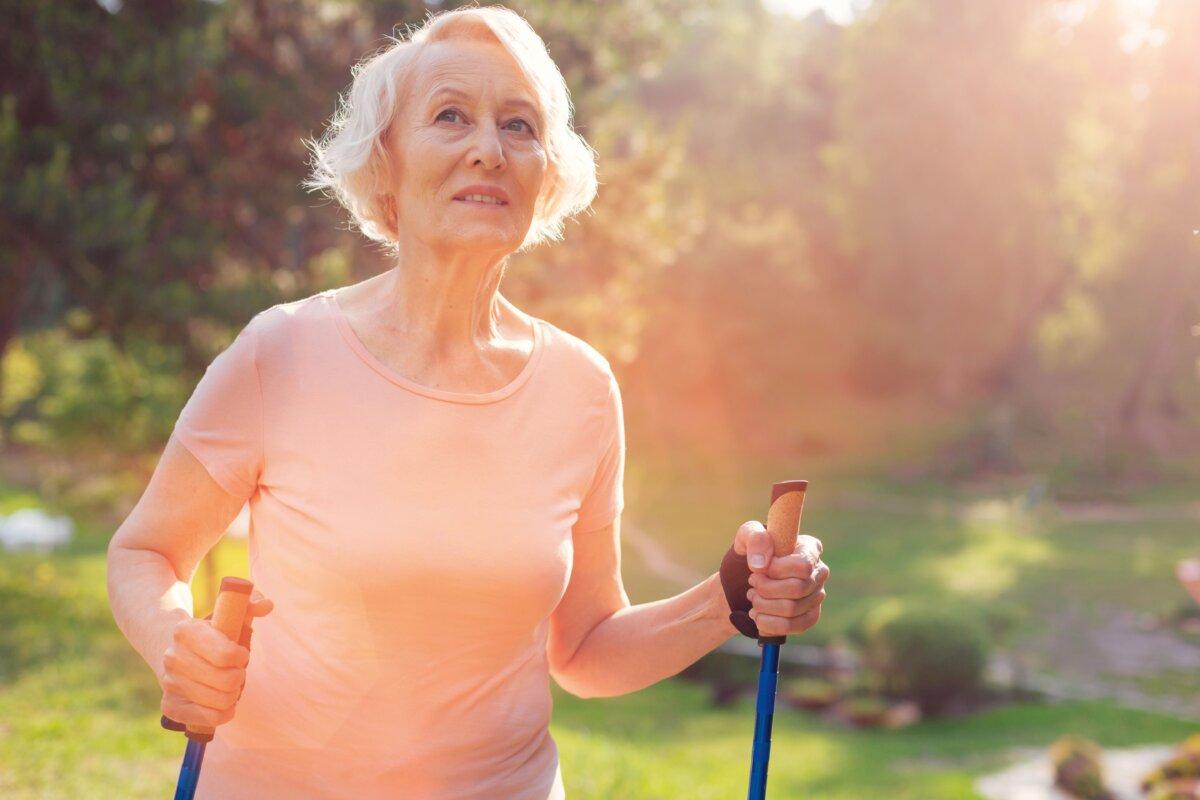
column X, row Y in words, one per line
column 347, row 160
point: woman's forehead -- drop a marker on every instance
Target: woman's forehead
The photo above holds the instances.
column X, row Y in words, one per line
column 461, row 66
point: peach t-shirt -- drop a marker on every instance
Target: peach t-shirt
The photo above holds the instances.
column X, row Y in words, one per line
column 415, row 542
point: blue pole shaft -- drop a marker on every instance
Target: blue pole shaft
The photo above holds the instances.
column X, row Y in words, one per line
column 764, row 714
column 189, row 771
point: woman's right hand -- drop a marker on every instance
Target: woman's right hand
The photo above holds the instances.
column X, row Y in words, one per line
column 203, row 672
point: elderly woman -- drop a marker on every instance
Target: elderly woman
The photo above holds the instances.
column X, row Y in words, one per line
column 434, row 476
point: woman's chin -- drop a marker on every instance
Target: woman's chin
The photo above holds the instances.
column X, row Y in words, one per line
column 480, row 237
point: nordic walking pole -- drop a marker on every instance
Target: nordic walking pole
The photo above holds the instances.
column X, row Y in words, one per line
column 228, row 617
column 783, row 525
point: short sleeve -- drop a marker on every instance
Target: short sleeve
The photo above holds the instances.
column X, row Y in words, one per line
column 222, row 422
column 605, row 497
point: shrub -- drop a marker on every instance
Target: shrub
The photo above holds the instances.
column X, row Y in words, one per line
column 1077, row 768
column 1183, row 766
column 932, row 654
column 66, row 393
column 808, row 692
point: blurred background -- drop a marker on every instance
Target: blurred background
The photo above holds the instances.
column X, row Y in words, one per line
column 939, row 257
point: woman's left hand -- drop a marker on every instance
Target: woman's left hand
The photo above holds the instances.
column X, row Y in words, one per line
column 786, row 591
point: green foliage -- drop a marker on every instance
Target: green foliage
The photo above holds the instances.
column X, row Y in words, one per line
column 931, row 653
column 990, row 243
column 61, row 392
column 1077, row 768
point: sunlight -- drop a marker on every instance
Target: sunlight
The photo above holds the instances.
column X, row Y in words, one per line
column 842, row 12
column 1137, row 15
column 997, row 546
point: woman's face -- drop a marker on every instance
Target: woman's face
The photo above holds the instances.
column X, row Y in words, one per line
column 470, row 120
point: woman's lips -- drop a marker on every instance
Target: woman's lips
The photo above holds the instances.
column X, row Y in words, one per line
column 481, row 204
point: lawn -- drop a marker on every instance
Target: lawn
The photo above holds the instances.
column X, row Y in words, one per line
column 79, row 710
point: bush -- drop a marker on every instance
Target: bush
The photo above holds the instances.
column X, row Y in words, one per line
column 1077, row 769
column 1183, row 767
column 61, row 392
column 808, row 692
column 722, row 666
column 931, row 654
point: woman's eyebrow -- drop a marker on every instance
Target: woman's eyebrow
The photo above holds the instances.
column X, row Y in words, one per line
column 515, row 102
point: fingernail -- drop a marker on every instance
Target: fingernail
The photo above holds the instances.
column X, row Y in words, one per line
column 758, row 560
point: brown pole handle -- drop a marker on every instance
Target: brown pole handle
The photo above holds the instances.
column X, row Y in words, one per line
column 783, row 526
column 229, row 615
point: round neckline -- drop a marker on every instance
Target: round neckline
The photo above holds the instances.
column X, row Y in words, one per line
column 343, row 325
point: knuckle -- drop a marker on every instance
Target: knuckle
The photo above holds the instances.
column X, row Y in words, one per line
column 232, row 680
column 227, row 655
column 748, row 527
column 240, row 655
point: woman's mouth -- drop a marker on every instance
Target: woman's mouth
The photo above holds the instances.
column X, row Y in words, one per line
column 481, row 200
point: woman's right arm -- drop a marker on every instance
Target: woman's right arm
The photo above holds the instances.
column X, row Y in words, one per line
column 151, row 560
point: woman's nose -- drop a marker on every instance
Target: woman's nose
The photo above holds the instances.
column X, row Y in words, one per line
column 486, row 146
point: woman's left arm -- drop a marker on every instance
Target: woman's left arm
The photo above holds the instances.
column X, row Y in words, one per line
column 601, row 646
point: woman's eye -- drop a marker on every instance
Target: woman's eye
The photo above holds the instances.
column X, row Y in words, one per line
column 456, row 113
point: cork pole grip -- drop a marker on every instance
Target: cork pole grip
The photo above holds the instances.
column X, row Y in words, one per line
column 783, row 526
column 229, row 614
column 783, row 517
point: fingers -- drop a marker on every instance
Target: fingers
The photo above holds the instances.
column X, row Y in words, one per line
column 210, row 644
column 259, row 605
column 184, row 662
column 753, row 541
column 788, row 605
column 771, row 625
column 186, row 688
column 189, row 713
column 792, row 586
column 800, row 562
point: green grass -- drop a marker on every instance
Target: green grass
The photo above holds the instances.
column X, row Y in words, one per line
column 79, row 709
column 995, row 553
column 667, row 742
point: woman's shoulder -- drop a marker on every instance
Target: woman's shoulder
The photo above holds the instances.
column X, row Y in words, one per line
column 576, row 355
column 285, row 318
